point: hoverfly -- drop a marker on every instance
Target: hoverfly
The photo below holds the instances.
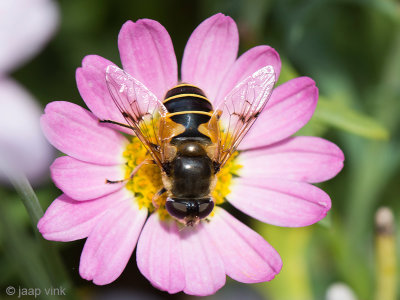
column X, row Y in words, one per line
column 187, row 138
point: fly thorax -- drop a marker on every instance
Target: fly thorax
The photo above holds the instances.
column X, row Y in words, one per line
column 192, row 171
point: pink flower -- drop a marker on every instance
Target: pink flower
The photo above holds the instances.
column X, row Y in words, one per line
column 273, row 173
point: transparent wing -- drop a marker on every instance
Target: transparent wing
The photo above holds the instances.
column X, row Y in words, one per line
column 240, row 109
column 140, row 107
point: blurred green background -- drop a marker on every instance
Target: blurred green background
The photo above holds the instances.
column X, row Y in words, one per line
column 350, row 48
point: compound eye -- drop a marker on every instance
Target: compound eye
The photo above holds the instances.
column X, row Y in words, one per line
column 176, row 209
column 205, row 208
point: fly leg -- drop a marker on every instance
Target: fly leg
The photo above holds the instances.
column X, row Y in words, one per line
column 115, row 123
column 147, row 161
column 157, row 196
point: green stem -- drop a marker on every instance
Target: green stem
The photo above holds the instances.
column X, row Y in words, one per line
column 28, row 196
column 22, row 250
column 50, row 256
column 385, row 255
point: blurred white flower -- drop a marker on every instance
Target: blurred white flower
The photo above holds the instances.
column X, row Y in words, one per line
column 340, row 291
column 25, row 27
column 21, row 139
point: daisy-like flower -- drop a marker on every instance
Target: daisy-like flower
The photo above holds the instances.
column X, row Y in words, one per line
column 269, row 178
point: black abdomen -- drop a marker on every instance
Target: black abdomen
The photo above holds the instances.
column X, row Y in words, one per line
column 188, row 105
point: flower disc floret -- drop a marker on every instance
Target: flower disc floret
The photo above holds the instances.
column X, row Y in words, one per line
column 147, row 180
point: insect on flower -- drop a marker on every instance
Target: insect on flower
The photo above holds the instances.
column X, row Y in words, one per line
column 188, row 146
column 184, row 134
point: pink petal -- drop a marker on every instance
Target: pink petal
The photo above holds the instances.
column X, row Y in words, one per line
column 249, row 62
column 91, row 82
column 23, row 146
column 302, row 158
column 203, row 267
column 148, row 55
column 111, row 243
column 68, row 220
column 188, row 261
column 85, row 181
column 76, row 132
column 25, row 27
column 280, row 202
column 290, row 108
column 210, row 52
column 164, row 270
column 247, row 256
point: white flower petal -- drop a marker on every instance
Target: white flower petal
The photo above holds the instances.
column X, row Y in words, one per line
column 22, row 144
column 25, row 26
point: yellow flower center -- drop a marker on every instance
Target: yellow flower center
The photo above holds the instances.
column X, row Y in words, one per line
column 224, row 179
column 146, row 182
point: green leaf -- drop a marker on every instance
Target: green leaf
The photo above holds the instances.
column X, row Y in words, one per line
column 287, row 72
column 292, row 245
column 337, row 114
column 340, row 116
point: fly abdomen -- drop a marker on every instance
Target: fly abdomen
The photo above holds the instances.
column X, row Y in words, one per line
column 185, row 102
column 187, row 105
column 186, row 97
column 191, row 121
column 184, row 88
